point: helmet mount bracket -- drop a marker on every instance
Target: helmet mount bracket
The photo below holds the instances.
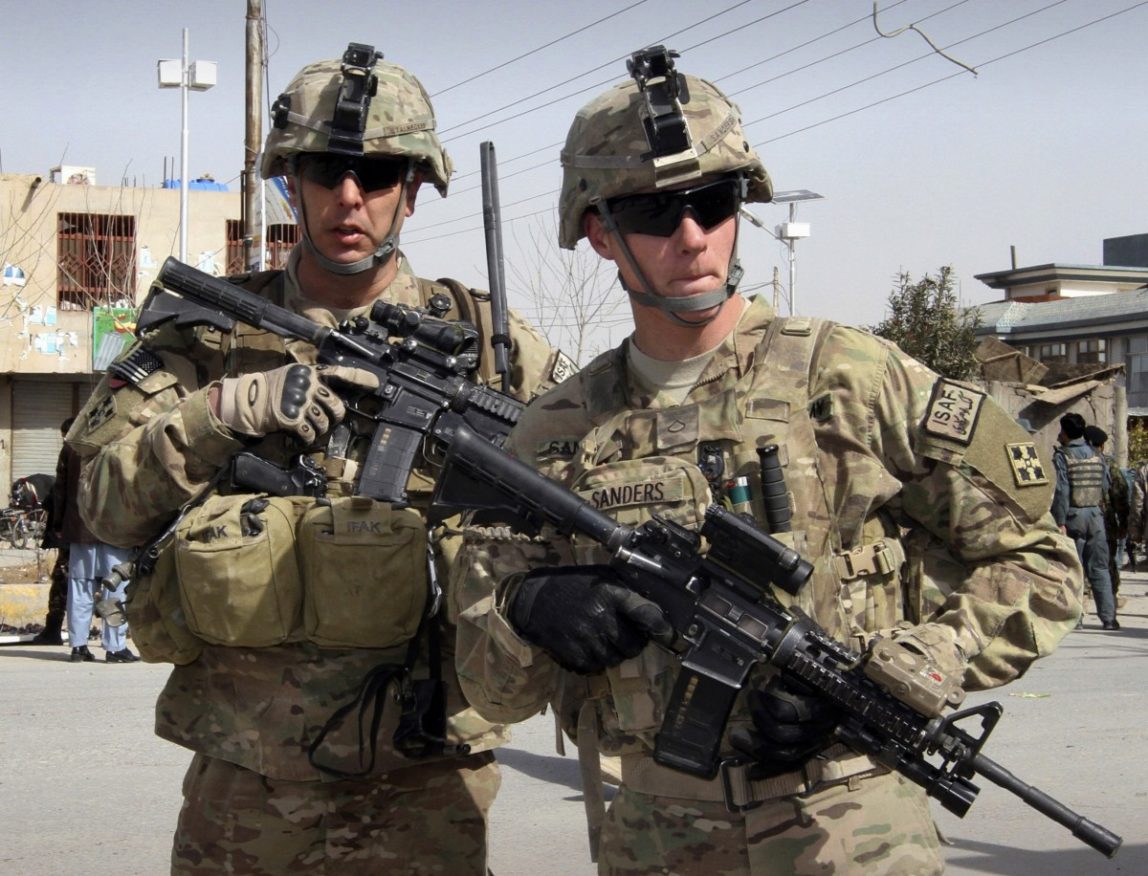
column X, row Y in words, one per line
column 664, row 90
column 349, row 120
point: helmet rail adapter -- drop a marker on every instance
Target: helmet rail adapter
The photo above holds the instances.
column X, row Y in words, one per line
column 359, row 105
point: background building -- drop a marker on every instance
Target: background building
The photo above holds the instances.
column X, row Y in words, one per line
column 78, row 258
column 1077, row 319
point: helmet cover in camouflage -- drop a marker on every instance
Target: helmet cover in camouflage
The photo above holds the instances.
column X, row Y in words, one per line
column 399, row 121
column 602, row 157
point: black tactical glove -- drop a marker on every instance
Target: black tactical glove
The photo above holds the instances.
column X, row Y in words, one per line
column 788, row 728
column 583, row 619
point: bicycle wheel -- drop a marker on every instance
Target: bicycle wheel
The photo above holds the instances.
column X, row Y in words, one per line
column 8, row 526
column 35, row 524
column 19, row 536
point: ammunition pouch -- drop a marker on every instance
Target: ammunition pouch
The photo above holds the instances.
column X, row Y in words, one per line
column 259, row 571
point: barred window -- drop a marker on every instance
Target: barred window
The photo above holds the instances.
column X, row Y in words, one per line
column 96, row 260
column 280, row 239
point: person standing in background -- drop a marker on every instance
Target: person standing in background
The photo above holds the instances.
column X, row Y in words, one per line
column 1081, row 485
column 58, row 590
column 89, row 562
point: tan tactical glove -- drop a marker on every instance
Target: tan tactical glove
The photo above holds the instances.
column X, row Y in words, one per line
column 293, row 398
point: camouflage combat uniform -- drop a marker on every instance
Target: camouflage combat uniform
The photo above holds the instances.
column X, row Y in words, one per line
column 260, row 718
column 917, row 498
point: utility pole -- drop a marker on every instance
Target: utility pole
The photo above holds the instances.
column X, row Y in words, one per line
column 253, row 243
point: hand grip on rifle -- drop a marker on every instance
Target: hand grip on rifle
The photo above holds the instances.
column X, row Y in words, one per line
column 293, row 398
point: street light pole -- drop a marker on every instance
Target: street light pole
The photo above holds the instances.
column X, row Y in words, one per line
column 199, row 76
column 183, row 153
column 790, row 232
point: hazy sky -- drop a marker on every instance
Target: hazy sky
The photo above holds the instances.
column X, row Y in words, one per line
column 920, row 162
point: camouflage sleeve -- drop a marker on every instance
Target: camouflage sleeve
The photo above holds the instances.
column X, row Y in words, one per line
column 148, row 447
column 972, row 477
column 503, row 676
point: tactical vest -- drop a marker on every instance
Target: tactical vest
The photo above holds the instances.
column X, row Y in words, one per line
column 343, row 572
column 634, row 463
column 1085, row 480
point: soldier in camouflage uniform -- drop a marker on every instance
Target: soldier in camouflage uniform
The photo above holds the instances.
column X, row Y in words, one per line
column 921, row 503
column 314, row 679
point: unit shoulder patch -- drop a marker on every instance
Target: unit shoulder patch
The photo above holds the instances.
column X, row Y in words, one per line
column 1027, row 469
column 953, row 411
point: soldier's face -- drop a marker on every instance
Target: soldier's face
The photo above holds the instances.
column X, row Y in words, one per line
column 347, row 223
column 690, row 261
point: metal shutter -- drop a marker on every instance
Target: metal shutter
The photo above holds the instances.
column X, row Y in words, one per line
column 38, row 409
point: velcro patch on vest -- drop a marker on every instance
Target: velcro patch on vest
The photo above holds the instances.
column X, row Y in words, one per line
column 953, row 411
column 564, row 367
column 1027, row 469
column 654, row 491
column 677, row 427
column 556, row 448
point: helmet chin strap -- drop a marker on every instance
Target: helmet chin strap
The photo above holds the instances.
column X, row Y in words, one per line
column 381, row 254
column 686, row 304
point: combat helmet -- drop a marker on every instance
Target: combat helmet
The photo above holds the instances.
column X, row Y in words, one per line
column 356, row 105
column 359, row 105
column 609, row 153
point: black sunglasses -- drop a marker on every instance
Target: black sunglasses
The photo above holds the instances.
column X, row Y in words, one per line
column 660, row 213
column 372, row 174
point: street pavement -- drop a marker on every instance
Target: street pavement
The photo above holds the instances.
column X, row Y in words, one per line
column 85, row 788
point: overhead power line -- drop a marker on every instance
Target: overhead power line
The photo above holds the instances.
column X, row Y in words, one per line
column 535, row 51
column 839, row 116
column 983, row 64
column 896, row 67
column 572, row 79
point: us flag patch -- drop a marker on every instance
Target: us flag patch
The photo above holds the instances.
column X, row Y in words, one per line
column 1026, row 466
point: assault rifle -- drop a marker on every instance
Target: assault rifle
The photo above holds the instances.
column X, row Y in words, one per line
column 727, row 621
column 422, row 373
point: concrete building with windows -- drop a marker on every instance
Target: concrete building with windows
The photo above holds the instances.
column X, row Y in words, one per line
column 1075, row 318
column 78, row 258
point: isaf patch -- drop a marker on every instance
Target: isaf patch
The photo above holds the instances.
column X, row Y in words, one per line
column 563, row 367
column 1027, row 469
column 953, row 412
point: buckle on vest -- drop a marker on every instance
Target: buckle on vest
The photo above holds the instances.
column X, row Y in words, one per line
column 870, row 559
